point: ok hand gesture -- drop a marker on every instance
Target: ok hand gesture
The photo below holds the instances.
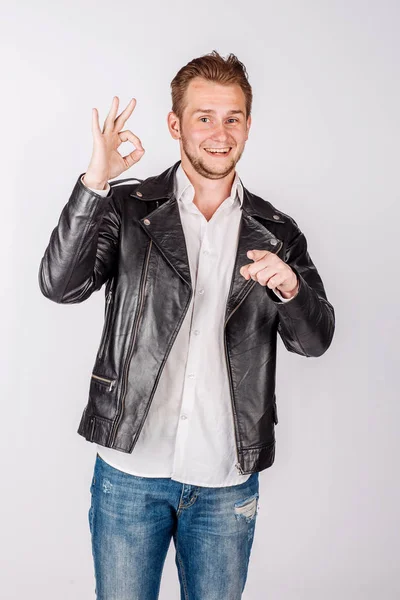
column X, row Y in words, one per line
column 106, row 162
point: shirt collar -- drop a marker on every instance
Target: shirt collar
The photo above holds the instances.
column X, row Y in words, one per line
column 184, row 190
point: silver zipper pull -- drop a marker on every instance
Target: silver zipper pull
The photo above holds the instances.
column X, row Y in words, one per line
column 109, row 297
column 111, row 386
column 239, row 468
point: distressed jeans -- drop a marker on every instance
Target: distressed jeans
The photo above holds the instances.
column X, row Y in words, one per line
column 132, row 520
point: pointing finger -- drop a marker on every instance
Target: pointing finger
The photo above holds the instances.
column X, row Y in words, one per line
column 257, row 254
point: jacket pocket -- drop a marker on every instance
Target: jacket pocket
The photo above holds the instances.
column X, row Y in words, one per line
column 103, row 381
column 103, row 397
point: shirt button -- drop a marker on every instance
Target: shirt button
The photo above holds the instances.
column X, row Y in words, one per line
column 191, row 375
column 196, row 332
column 201, row 291
column 183, row 417
column 206, row 252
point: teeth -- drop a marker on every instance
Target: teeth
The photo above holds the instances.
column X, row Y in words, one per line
column 221, row 150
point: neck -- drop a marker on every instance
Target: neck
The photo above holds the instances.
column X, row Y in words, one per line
column 208, row 193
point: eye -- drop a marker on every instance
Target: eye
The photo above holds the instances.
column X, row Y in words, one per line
column 232, row 119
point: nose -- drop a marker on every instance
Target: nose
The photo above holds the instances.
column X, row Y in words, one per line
column 220, row 134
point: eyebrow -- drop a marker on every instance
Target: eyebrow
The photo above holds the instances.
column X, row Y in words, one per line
column 210, row 110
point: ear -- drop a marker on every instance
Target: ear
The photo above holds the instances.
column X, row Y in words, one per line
column 248, row 125
column 173, row 125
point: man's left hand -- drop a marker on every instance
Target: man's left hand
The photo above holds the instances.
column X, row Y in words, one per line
column 269, row 270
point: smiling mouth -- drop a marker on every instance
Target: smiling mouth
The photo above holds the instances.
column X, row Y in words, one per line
column 218, row 151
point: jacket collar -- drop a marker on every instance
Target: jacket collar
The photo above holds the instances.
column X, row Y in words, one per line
column 163, row 225
column 162, row 187
column 184, row 190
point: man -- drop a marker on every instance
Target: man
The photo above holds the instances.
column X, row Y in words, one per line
column 201, row 275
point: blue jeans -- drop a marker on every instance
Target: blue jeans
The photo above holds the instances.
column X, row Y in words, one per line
column 132, row 520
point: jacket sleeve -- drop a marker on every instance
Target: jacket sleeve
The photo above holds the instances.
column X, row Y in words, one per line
column 307, row 322
column 83, row 247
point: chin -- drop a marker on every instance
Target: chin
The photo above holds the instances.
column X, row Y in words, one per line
column 210, row 167
column 219, row 171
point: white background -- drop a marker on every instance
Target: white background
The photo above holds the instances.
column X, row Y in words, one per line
column 324, row 148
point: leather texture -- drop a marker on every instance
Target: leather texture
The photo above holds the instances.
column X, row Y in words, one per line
column 132, row 241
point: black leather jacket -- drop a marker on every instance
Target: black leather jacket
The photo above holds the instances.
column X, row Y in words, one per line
column 132, row 240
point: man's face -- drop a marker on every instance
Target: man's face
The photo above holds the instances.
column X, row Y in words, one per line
column 213, row 119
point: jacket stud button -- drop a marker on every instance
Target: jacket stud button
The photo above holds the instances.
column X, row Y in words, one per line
column 139, row 194
column 276, row 217
column 146, row 222
column 273, row 242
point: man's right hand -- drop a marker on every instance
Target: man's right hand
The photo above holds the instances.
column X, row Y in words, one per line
column 106, row 162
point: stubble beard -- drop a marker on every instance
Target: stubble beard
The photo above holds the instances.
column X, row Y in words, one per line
column 200, row 166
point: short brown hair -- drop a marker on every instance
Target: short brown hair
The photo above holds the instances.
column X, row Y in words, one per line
column 212, row 67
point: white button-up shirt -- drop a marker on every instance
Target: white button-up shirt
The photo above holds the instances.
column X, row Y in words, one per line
column 188, row 433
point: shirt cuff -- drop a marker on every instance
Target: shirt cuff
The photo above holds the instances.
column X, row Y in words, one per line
column 100, row 192
column 281, row 297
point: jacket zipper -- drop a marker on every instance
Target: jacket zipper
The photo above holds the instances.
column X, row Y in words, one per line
column 111, row 382
column 234, row 415
column 106, row 324
column 150, row 401
column 237, row 465
column 132, row 342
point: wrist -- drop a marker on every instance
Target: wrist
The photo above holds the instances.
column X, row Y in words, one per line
column 93, row 183
column 287, row 295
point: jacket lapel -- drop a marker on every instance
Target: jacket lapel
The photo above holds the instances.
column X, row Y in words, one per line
column 164, row 226
column 252, row 236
